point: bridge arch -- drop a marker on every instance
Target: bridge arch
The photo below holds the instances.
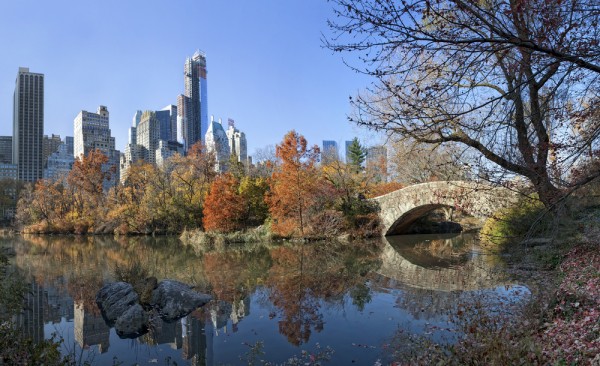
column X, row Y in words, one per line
column 399, row 209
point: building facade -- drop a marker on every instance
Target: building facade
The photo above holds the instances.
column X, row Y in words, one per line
column 167, row 149
column 92, row 131
column 49, row 145
column 218, row 144
column 60, row 162
column 329, row 153
column 238, row 145
column 28, row 125
column 377, row 162
column 192, row 111
column 148, row 135
column 5, row 149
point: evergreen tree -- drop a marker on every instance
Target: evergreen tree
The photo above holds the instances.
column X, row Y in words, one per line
column 356, row 155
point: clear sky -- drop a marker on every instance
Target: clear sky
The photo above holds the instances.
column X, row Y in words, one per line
column 266, row 65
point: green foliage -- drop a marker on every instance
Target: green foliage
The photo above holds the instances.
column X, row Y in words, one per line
column 356, row 155
column 527, row 218
column 17, row 351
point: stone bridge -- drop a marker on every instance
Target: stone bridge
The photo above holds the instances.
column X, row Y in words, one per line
column 401, row 208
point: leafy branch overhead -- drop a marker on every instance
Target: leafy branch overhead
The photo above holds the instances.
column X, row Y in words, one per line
column 515, row 81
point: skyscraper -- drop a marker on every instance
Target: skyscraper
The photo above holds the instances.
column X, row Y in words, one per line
column 237, row 143
column 28, row 125
column 148, row 135
column 92, row 131
column 192, row 111
column 329, row 152
column 217, row 143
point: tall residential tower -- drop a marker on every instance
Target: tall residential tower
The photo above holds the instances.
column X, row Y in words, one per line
column 192, row 111
column 28, row 125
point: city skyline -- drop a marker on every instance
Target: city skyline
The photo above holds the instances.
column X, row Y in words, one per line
column 268, row 70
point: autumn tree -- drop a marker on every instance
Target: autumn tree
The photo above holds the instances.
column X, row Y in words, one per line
column 293, row 185
column 510, row 80
column 224, row 207
column 129, row 206
column 254, row 190
column 86, row 181
column 191, row 177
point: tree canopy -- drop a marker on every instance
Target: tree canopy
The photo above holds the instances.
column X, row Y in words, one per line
column 515, row 81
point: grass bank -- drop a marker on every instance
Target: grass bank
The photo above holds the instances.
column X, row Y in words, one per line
column 559, row 325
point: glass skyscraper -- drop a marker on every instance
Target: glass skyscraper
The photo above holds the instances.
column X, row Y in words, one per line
column 192, row 111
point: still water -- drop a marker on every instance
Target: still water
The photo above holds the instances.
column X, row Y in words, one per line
column 358, row 303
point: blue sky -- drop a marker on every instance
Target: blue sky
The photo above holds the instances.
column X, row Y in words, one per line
column 267, row 68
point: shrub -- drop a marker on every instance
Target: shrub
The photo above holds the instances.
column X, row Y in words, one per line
column 527, row 218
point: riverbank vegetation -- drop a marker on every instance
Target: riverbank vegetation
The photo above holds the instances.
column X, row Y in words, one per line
column 291, row 191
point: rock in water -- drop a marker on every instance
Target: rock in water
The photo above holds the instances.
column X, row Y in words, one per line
column 175, row 299
column 132, row 322
column 115, row 299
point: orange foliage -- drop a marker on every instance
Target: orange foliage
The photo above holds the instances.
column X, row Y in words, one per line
column 224, row 207
column 293, row 185
column 383, row 188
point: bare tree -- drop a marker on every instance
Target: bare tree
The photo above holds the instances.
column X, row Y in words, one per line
column 417, row 163
column 509, row 79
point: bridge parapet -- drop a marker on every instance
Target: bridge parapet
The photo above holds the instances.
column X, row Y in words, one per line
column 399, row 209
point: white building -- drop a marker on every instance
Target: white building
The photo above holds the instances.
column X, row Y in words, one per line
column 238, row 146
column 148, row 135
column 217, row 143
column 92, row 131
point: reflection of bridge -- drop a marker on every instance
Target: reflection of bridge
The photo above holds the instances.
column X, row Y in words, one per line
column 403, row 264
column 399, row 209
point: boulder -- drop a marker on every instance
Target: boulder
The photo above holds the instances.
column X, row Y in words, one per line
column 175, row 299
column 115, row 299
column 132, row 323
column 144, row 289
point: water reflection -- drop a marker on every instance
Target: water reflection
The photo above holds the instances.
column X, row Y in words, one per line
column 289, row 296
column 446, row 262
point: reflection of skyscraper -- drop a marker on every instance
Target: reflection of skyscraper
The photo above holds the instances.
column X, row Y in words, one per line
column 239, row 310
column 31, row 319
column 192, row 112
column 197, row 340
column 90, row 329
column 164, row 333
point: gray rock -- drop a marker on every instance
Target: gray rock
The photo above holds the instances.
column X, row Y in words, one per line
column 132, row 323
column 115, row 299
column 175, row 299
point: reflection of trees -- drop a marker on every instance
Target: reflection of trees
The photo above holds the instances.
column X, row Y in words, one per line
column 298, row 279
column 302, row 277
column 83, row 264
column 234, row 274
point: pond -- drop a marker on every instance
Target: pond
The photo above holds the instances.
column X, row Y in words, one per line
column 354, row 303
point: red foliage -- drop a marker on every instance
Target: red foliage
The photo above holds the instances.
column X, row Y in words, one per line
column 293, row 185
column 224, row 207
